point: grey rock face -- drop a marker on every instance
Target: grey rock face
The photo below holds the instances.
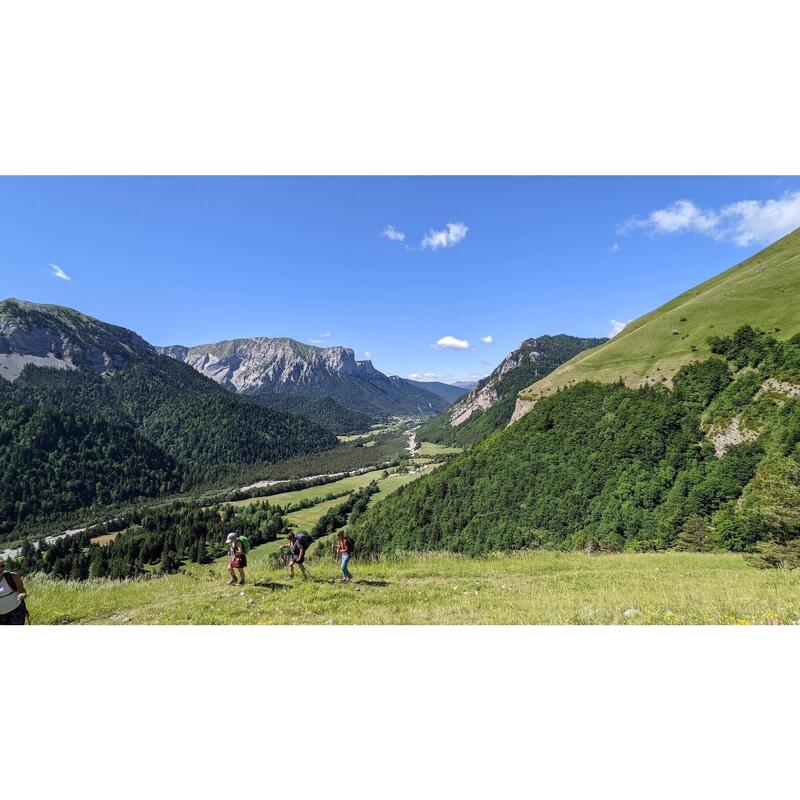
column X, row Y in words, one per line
column 486, row 393
column 246, row 364
column 50, row 336
column 262, row 365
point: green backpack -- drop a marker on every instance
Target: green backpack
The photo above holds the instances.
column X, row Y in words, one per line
column 245, row 542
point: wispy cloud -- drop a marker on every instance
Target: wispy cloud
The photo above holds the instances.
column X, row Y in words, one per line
column 454, row 233
column 426, row 376
column 390, row 232
column 616, row 327
column 445, row 377
column 487, row 339
column 744, row 223
column 451, row 343
column 57, row 272
column 321, row 339
column 614, row 248
column 367, row 354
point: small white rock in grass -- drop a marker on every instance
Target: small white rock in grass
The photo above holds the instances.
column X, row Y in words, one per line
column 630, row 612
column 250, row 601
column 241, row 594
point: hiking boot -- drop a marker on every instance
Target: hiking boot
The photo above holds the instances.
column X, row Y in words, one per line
column 232, row 582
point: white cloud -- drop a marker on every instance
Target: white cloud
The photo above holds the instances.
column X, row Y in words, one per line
column 487, row 339
column 454, row 233
column 367, row 354
column 446, row 377
column 762, row 222
column 320, row 340
column 59, row 273
column 614, row 248
column 616, row 327
column 451, row 343
column 743, row 223
column 426, row 376
column 390, row 232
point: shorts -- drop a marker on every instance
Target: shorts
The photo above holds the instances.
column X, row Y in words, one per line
column 240, row 562
column 15, row 617
column 298, row 559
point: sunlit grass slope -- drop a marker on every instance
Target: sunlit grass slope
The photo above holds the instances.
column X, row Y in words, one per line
column 763, row 291
column 443, row 588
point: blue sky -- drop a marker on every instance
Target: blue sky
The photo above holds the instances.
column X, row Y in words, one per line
column 194, row 260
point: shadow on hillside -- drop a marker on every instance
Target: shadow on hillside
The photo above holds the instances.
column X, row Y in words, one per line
column 270, row 585
column 371, row 583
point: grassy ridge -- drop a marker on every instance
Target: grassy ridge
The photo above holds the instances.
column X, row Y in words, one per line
column 520, row 588
column 760, row 291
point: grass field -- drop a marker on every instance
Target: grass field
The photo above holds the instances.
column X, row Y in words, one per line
column 106, row 538
column 345, row 484
column 755, row 292
column 431, row 450
column 522, row 588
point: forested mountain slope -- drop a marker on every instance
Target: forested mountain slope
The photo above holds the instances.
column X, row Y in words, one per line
column 53, row 462
column 762, row 291
column 714, row 462
column 96, row 374
column 490, row 404
column 323, row 411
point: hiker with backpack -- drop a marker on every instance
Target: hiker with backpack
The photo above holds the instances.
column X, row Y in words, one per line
column 345, row 547
column 239, row 546
column 12, row 598
column 297, row 546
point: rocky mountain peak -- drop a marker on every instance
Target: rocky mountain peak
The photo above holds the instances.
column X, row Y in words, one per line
column 62, row 338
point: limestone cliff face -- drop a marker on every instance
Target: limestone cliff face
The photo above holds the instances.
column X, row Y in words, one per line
column 246, row 364
column 262, row 365
column 488, row 390
column 52, row 336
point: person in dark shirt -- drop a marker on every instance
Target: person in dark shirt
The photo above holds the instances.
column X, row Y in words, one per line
column 297, row 554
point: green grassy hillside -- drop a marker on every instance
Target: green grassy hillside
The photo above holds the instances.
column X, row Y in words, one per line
column 762, row 291
column 441, row 589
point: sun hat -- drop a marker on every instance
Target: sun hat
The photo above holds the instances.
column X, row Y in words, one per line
column 231, row 536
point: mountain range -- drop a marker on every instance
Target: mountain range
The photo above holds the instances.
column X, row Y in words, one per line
column 261, row 367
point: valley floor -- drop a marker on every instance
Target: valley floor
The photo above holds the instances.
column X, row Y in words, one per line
column 440, row 588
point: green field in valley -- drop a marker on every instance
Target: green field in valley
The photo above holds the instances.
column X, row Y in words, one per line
column 431, row 450
column 441, row 588
column 348, row 484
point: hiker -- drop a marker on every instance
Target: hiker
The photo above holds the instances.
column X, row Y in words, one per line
column 12, row 598
column 238, row 558
column 297, row 554
column 345, row 547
